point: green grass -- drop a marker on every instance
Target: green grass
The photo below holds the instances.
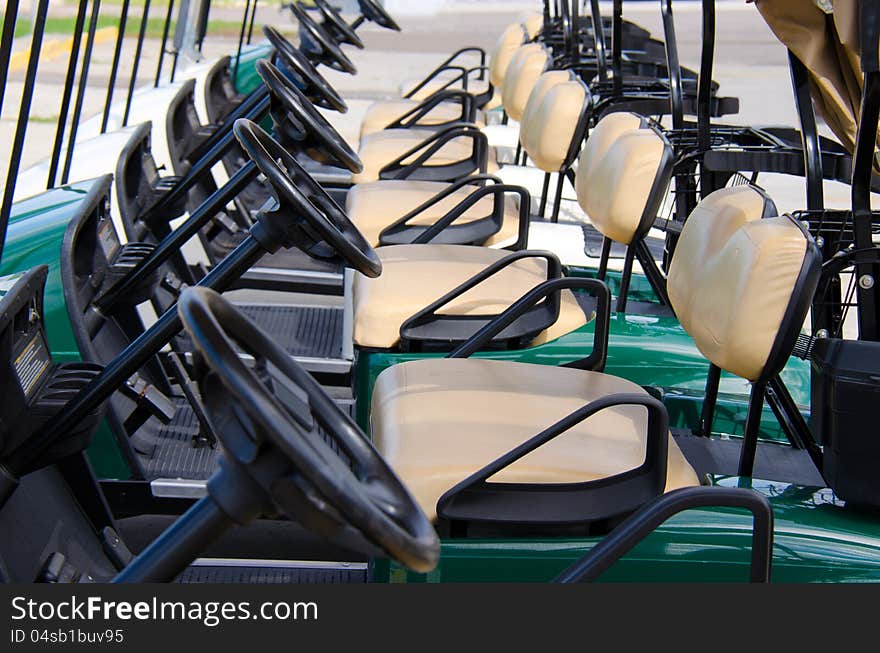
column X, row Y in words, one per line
column 65, row 25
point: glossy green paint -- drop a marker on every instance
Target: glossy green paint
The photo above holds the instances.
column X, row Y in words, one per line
column 36, row 229
column 246, row 77
column 34, row 237
column 648, row 350
column 817, row 539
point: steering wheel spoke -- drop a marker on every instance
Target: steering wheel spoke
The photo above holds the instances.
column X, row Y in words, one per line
column 300, row 195
column 318, row 89
column 329, row 51
column 300, row 471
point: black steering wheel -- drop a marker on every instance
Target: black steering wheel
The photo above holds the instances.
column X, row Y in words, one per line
column 324, row 472
column 375, row 12
column 327, row 49
column 297, row 121
column 334, row 22
column 327, row 227
column 318, row 89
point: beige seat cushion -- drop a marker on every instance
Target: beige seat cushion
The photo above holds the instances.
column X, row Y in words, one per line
column 436, row 421
column 616, row 174
column 413, row 276
column 381, row 148
column 381, row 114
column 732, row 278
column 526, row 66
column 551, row 117
column 375, row 205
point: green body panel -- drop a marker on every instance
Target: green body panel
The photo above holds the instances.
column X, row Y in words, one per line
column 816, row 540
column 648, row 350
column 246, row 77
column 34, row 237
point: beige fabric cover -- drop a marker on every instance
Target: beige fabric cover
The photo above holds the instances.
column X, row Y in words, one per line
column 381, row 114
column 500, row 55
column 381, row 148
column 732, row 277
column 374, row 206
column 616, row 172
column 533, row 23
column 829, row 51
column 526, row 66
column 413, row 276
column 550, row 119
column 436, row 421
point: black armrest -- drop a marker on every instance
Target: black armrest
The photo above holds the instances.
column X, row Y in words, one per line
column 476, row 499
column 551, row 288
column 461, row 76
column 417, row 169
column 474, row 232
column 651, row 516
column 411, row 118
column 427, row 327
column 447, row 65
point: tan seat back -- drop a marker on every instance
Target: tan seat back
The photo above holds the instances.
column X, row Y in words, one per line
column 554, row 120
column 623, row 173
column 500, row 55
column 526, row 66
column 533, row 23
column 741, row 283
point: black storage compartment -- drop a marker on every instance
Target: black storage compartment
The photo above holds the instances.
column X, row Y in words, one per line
column 846, row 399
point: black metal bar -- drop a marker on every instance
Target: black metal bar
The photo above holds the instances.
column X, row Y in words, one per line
column 710, row 400
column 202, row 23
column 673, row 65
column 625, row 277
column 603, row 258
column 254, row 107
column 114, row 67
column 800, row 82
column 24, row 112
column 172, row 243
column 617, row 48
column 204, row 164
column 557, row 198
column 795, row 420
column 55, row 159
column 80, row 91
column 704, row 83
column 177, row 547
column 244, row 18
column 174, row 59
column 651, row 270
column 9, row 17
column 165, row 31
column 251, row 25
column 545, row 190
column 753, row 425
column 599, row 40
column 137, row 353
column 650, row 517
column 867, row 274
column 137, row 62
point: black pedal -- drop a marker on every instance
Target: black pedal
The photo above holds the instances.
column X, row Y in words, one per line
column 149, row 399
column 57, row 569
column 115, row 548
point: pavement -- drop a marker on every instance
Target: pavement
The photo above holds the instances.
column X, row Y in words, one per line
column 750, row 64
